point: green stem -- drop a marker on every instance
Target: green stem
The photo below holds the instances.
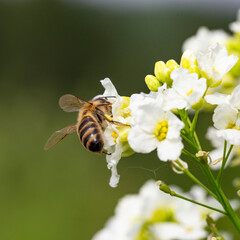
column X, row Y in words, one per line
column 224, row 161
column 194, row 122
column 198, row 203
column 192, row 145
column 223, row 200
column 195, row 137
column 190, row 175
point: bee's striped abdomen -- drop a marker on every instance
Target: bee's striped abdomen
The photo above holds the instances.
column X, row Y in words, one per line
column 90, row 133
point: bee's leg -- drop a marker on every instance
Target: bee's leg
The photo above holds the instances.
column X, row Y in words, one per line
column 110, row 119
column 106, row 153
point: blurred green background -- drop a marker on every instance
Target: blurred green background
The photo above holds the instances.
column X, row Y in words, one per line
column 47, row 49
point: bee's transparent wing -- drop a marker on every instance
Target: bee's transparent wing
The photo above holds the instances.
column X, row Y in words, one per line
column 70, row 103
column 59, row 136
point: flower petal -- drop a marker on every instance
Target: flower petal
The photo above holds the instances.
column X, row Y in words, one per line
column 169, row 149
column 224, row 115
column 230, row 135
column 141, row 141
column 217, row 98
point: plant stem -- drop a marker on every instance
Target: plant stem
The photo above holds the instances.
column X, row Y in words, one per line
column 223, row 200
column 194, row 122
column 201, row 204
column 192, row 145
column 190, row 175
column 224, row 161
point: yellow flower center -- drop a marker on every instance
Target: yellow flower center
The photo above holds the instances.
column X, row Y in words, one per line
column 161, row 130
column 190, row 92
column 115, row 136
column 233, row 126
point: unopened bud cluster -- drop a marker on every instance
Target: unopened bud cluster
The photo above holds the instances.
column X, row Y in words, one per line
column 162, row 73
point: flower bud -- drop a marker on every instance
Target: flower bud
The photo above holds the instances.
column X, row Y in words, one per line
column 159, row 68
column 159, row 182
column 172, row 64
column 166, row 77
column 152, row 83
column 188, row 59
column 165, row 188
column 195, row 69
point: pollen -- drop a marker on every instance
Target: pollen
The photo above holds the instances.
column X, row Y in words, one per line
column 161, row 130
column 115, row 136
column 190, row 92
column 233, row 126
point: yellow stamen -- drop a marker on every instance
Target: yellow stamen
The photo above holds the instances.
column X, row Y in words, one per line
column 161, row 130
column 115, row 136
column 233, row 126
column 190, row 92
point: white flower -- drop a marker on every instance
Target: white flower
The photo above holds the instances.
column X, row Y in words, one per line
column 203, row 39
column 235, row 26
column 186, row 90
column 154, row 128
column 215, row 63
column 218, row 143
column 113, row 133
column 218, row 98
column 155, row 215
column 227, row 120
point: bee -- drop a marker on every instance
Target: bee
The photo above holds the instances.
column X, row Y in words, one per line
column 92, row 120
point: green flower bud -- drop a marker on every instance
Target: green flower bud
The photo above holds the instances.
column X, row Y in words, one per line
column 172, row 64
column 166, row 77
column 152, row 83
column 159, row 68
column 165, row 188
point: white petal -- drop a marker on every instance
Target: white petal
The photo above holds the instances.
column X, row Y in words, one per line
column 235, row 98
column 175, row 125
column 212, row 136
column 141, row 141
column 112, row 161
column 223, row 115
column 110, row 90
column 167, row 230
column 169, row 149
column 231, row 135
column 216, row 98
column 148, row 115
column 174, row 100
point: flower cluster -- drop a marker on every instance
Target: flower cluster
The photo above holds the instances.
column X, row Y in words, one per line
column 159, row 120
column 150, row 122
column 151, row 214
column 205, row 38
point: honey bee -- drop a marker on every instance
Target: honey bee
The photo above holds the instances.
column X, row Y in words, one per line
column 91, row 122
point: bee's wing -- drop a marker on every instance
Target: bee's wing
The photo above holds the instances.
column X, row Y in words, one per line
column 59, row 136
column 70, row 103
